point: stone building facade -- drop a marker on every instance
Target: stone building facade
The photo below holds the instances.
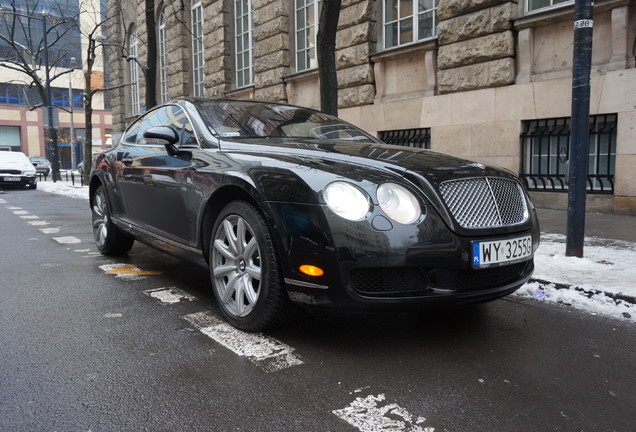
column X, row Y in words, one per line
column 489, row 80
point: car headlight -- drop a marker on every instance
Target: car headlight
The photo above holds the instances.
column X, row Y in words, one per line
column 29, row 172
column 346, row 200
column 398, row 203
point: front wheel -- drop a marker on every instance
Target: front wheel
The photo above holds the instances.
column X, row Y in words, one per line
column 109, row 239
column 244, row 269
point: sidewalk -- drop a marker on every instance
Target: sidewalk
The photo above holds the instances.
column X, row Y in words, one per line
column 603, row 281
column 606, row 226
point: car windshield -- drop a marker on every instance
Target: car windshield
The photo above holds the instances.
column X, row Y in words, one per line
column 244, row 119
column 37, row 159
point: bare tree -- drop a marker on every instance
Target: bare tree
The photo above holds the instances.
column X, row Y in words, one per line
column 35, row 44
column 326, row 46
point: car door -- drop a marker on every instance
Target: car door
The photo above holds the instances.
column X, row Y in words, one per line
column 154, row 183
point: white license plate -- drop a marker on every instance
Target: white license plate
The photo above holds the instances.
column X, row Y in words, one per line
column 502, row 251
column 12, row 179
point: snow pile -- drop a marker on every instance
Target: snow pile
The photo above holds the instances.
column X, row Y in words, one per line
column 64, row 188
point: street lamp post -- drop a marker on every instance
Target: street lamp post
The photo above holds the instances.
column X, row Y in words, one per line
column 70, row 102
column 49, row 108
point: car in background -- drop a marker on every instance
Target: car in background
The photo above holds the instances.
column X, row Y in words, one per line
column 17, row 170
column 41, row 164
column 287, row 204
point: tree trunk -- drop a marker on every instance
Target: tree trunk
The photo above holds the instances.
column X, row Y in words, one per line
column 326, row 46
column 88, row 121
column 150, row 73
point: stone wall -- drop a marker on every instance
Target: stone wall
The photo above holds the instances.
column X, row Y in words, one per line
column 355, row 41
column 476, row 44
column 271, row 48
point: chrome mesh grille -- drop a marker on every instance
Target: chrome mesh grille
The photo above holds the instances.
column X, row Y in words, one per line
column 485, row 202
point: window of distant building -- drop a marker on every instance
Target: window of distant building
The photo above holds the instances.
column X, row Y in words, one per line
column 307, row 13
column 532, row 5
column 197, row 49
column 243, row 39
column 134, row 75
column 163, row 57
column 408, row 21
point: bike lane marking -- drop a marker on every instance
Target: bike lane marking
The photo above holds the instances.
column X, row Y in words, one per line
column 373, row 414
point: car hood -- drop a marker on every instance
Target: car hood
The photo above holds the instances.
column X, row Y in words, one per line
column 15, row 165
column 426, row 165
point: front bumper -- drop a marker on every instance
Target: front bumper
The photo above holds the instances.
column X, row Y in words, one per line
column 18, row 180
column 379, row 263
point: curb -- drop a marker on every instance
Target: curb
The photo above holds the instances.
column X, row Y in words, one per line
column 588, row 292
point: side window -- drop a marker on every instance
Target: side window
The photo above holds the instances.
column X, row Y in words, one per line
column 131, row 136
column 177, row 120
column 151, row 120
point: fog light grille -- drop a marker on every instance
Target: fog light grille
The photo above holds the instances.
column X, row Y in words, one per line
column 389, row 281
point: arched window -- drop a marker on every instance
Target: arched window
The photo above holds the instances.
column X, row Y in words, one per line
column 163, row 57
column 196, row 16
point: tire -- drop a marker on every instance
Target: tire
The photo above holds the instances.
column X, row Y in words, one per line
column 244, row 269
column 109, row 239
column 34, row 185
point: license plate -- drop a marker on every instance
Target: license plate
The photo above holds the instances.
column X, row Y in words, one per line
column 500, row 252
column 12, row 179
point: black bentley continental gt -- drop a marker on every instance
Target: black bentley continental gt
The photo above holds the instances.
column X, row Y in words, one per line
column 289, row 205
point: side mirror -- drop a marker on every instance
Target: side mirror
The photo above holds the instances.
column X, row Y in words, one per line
column 164, row 135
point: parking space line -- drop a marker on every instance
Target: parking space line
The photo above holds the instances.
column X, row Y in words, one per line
column 170, row 295
column 368, row 415
column 38, row 223
column 265, row 352
column 67, row 240
column 49, row 230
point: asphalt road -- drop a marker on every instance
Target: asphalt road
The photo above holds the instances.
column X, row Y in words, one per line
column 93, row 343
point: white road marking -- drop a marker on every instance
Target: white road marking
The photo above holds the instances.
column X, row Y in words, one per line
column 50, row 230
column 265, row 352
column 2, row 201
column 366, row 415
column 38, row 223
column 170, row 295
column 29, row 217
column 20, row 212
column 13, row 208
column 82, row 250
column 67, row 240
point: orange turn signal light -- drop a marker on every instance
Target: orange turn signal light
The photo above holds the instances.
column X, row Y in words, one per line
column 311, row 270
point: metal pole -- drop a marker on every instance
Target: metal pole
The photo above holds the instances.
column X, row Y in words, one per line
column 70, row 102
column 582, row 61
column 49, row 108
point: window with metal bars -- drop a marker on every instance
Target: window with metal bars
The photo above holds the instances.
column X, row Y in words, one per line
column 545, row 151
column 418, row 138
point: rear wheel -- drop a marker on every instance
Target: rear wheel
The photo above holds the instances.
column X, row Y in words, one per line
column 244, row 269
column 109, row 239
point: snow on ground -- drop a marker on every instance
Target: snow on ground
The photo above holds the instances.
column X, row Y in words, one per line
column 608, row 267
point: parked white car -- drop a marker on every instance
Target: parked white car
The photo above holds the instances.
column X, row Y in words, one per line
column 17, row 170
